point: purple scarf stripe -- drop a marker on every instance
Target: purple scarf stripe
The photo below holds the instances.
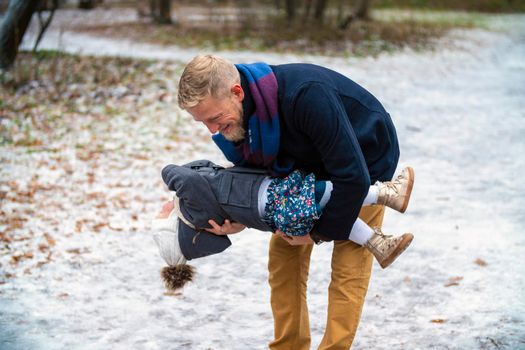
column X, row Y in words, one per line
column 265, row 105
column 261, row 146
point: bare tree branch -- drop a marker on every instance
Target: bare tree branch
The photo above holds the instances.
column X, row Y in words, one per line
column 45, row 24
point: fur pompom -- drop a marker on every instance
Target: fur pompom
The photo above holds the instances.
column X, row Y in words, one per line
column 175, row 277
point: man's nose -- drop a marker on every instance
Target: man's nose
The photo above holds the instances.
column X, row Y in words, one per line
column 212, row 127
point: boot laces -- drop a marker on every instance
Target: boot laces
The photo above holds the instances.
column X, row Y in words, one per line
column 378, row 231
column 395, row 185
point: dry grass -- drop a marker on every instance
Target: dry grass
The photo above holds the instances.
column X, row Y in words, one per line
column 464, row 5
column 44, row 93
column 276, row 35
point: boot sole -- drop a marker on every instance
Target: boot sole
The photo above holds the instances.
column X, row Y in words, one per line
column 401, row 247
column 409, row 189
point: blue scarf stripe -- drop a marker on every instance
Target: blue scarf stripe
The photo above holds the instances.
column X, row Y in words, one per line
column 261, row 146
column 255, row 71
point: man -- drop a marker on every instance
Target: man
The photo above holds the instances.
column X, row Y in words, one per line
column 300, row 116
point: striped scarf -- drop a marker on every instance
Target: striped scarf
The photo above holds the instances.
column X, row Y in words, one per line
column 261, row 146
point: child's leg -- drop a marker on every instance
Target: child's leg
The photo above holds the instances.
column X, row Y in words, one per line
column 360, row 232
column 384, row 248
column 394, row 194
column 371, row 197
column 323, row 191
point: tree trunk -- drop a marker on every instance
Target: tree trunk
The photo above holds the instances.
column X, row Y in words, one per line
column 13, row 28
column 164, row 11
column 290, row 10
column 160, row 11
column 362, row 9
column 307, row 9
column 340, row 10
column 86, row 4
column 153, row 5
column 320, row 7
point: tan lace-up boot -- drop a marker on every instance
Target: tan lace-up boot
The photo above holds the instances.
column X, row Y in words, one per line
column 395, row 194
column 387, row 248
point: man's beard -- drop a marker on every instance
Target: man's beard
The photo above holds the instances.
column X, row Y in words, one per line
column 237, row 131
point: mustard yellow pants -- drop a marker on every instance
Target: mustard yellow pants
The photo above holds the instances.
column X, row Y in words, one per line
column 288, row 274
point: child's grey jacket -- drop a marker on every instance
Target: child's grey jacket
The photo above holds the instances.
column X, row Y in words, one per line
column 208, row 191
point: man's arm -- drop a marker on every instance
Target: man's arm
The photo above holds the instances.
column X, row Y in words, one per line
column 321, row 116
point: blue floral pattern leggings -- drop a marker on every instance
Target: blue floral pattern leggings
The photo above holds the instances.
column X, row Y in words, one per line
column 291, row 205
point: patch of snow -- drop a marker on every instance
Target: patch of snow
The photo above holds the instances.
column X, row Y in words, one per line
column 460, row 117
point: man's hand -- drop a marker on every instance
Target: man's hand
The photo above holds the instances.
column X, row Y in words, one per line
column 227, row 228
column 295, row 240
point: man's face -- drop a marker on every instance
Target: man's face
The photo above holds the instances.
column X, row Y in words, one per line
column 223, row 115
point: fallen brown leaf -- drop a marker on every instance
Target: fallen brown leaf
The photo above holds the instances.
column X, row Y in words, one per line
column 453, row 281
column 115, row 228
column 15, row 259
column 99, row 226
column 95, row 195
column 480, row 262
column 84, row 250
column 101, row 205
column 5, row 238
column 50, row 240
column 90, row 177
column 141, row 157
column 438, row 320
column 43, row 247
column 63, row 296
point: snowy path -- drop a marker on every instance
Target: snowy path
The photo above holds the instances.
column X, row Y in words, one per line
column 460, row 116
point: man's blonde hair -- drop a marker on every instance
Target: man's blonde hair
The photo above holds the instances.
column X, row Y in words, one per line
column 206, row 75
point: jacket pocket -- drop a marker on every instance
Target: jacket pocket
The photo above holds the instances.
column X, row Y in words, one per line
column 236, row 190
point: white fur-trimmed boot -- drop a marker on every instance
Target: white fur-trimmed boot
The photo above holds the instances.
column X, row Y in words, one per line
column 387, row 248
column 395, row 194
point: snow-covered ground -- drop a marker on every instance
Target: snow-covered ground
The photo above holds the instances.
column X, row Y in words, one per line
column 460, row 116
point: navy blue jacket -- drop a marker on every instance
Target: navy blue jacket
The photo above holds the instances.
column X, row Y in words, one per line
column 333, row 127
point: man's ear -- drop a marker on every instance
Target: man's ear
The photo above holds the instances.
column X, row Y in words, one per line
column 238, row 91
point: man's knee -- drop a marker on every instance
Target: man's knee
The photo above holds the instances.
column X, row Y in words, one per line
column 287, row 263
column 373, row 215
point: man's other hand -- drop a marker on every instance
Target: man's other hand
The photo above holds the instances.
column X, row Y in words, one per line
column 295, row 240
column 227, row 228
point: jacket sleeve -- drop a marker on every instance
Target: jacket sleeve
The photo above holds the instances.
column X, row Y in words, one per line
column 321, row 116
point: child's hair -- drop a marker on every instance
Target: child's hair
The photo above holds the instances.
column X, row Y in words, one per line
column 175, row 277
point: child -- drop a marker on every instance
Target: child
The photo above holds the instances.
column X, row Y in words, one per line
column 249, row 197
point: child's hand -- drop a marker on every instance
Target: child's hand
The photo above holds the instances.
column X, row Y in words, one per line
column 165, row 211
column 227, row 228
